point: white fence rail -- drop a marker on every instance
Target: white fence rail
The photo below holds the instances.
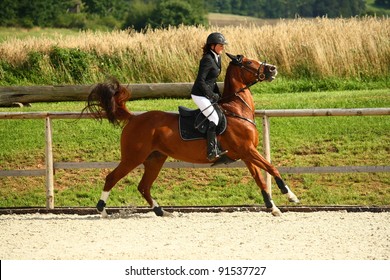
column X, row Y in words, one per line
column 50, row 165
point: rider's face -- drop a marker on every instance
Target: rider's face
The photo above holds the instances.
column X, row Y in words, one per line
column 218, row 49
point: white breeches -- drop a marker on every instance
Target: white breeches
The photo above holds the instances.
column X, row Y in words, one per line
column 207, row 109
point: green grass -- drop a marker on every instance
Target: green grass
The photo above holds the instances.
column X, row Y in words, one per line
column 305, row 141
column 23, row 33
column 283, row 85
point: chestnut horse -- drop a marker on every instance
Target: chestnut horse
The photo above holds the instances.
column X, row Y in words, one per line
column 149, row 138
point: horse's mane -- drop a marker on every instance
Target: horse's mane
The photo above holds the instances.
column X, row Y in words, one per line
column 107, row 100
column 228, row 91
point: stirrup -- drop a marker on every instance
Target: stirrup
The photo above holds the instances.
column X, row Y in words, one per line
column 221, row 153
column 218, row 154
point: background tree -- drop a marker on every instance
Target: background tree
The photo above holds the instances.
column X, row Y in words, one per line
column 289, row 9
column 177, row 12
column 42, row 13
column 27, row 13
column 8, row 12
column 110, row 14
column 140, row 11
column 383, row 3
column 115, row 8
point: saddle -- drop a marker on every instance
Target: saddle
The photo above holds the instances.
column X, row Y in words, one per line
column 193, row 124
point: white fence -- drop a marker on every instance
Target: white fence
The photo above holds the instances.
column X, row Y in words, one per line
column 50, row 165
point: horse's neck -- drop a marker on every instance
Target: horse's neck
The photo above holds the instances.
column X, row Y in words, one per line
column 122, row 112
column 237, row 98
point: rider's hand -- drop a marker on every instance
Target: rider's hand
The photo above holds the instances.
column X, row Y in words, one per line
column 215, row 97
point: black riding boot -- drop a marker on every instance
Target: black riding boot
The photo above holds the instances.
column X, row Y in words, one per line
column 213, row 151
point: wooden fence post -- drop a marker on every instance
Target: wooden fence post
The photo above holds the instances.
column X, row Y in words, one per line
column 267, row 149
column 49, row 165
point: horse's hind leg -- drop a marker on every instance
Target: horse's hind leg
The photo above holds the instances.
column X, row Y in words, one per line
column 153, row 165
column 118, row 173
column 256, row 174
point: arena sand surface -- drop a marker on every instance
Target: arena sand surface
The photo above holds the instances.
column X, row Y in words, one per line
column 197, row 236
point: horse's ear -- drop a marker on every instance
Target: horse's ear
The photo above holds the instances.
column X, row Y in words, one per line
column 236, row 59
column 232, row 57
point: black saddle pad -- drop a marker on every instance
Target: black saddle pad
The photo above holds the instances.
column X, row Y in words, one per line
column 193, row 124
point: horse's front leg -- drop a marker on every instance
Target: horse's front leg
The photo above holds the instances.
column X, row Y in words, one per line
column 286, row 190
column 256, row 174
column 254, row 157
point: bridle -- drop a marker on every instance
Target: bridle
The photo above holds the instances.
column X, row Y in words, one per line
column 259, row 73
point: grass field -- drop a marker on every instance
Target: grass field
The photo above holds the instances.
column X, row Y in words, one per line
column 221, row 20
column 321, row 141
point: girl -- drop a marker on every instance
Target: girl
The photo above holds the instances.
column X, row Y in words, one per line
column 205, row 90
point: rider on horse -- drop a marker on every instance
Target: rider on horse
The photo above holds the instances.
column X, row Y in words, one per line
column 205, row 91
column 149, row 138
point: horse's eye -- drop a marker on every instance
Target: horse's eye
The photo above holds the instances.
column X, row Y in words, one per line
column 249, row 62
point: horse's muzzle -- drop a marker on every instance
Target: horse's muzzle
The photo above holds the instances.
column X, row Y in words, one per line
column 274, row 73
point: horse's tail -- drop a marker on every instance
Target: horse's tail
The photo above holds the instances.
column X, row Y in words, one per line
column 107, row 100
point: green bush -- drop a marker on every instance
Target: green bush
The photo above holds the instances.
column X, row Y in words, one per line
column 71, row 64
column 106, row 23
column 73, row 21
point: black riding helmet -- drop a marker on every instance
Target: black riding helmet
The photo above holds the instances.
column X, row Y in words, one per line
column 216, row 38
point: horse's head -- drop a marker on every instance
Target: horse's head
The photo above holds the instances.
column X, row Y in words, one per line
column 253, row 71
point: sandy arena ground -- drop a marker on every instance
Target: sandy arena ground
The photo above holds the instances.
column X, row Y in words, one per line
column 197, row 236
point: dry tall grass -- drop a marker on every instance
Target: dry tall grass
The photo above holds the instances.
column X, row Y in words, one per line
column 318, row 48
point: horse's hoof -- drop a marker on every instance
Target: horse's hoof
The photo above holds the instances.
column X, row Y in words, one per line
column 293, row 198
column 161, row 213
column 167, row 214
column 104, row 214
column 158, row 211
column 100, row 205
column 276, row 212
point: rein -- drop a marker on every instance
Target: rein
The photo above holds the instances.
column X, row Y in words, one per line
column 231, row 114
